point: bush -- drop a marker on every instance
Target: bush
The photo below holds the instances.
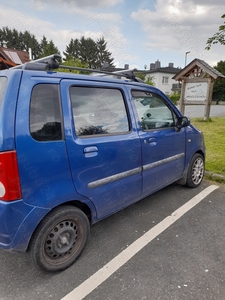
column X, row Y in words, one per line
column 175, row 97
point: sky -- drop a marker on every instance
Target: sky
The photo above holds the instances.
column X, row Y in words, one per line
column 137, row 32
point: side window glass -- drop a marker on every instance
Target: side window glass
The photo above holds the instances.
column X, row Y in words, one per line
column 152, row 111
column 98, row 111
column 3, row 83
column 45, row 113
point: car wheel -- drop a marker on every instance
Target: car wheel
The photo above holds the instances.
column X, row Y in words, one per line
column 59, row 239
column 195, row 172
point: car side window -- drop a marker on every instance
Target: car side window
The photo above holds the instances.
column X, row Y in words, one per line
column 98, row 111
column 152, row 111
column 45, row 113
column 3, row 83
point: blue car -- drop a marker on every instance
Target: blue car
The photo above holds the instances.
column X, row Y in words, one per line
column 75, row 149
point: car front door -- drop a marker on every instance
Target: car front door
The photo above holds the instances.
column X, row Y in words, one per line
column 104, row 152
column 163, row 147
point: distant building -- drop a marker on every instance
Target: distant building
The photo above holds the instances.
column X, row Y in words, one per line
column 163, row 77
column 11, row 58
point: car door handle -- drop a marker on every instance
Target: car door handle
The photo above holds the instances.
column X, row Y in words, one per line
column 152, row 141
column 90, row 151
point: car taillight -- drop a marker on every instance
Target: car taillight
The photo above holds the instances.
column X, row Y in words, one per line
column 9, row 177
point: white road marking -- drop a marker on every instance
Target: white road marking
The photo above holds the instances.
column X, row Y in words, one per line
column 105, row 272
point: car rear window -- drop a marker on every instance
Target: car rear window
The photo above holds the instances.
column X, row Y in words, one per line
column 45, row 113
column 98, row 110
column 3, row 83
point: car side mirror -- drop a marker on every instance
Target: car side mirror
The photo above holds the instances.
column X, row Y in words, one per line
column 182, row 122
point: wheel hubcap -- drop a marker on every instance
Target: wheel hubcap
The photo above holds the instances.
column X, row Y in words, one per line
column 198, row 171
column 61, row 239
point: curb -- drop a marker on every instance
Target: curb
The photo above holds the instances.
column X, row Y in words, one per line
column 214, row 175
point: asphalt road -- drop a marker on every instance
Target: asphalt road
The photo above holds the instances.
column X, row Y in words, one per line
column 185, row 261
column 197, row 111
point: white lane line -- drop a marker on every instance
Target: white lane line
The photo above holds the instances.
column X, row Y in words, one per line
column 105, row 272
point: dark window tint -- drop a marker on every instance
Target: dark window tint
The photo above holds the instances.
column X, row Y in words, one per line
column 45, row 113
column 153, row 113
column 98, row 111
column 3, row 82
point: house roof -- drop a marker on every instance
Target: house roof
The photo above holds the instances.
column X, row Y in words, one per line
column 10, row 57
column 169, row 70
column 186, row 72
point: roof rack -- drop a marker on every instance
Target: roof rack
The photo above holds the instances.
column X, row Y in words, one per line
column 51, row 63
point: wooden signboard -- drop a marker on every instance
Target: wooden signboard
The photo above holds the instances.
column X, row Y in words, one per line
column 197, row 85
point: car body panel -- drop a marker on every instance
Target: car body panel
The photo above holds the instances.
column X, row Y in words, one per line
column 99, row 173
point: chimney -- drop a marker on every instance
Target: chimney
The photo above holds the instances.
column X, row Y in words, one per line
column 171, row 65
column 152, row 66
column 157, row 64
column 126, row 66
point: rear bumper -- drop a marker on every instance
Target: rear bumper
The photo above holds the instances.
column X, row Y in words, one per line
column 17, row 223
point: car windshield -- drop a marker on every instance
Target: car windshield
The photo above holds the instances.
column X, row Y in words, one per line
column 3, row 82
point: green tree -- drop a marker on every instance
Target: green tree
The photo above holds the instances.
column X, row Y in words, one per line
column 90, row 53
column 147, row 80
column 72, row 50
column 9, row 38
column 29, row 41
column 43, row 43
column 13, row 39
column 218, row 37
column 74, row 63
column 47, row 47
column 174, row 97
column 219, row 85
column 103, row 55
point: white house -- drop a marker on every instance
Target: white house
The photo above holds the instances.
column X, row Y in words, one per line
column 162, row 77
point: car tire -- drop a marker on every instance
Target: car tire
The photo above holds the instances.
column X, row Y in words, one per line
column 196, row 170
column 59, row 239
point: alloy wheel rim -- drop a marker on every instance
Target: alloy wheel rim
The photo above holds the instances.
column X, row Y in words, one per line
column 198, row 171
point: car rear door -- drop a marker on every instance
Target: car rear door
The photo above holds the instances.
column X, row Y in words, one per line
column 103, row 147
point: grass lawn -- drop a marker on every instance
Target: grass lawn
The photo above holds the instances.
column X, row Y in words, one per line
column 214, row 133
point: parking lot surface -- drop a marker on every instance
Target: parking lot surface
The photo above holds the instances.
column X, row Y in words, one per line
column 197, row 111
column 185, row 261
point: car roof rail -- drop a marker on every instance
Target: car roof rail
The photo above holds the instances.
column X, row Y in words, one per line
column 129, row 74
column 51, row 63
column 45, row 63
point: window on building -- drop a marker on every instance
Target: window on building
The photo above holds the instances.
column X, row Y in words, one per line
column 165, row 79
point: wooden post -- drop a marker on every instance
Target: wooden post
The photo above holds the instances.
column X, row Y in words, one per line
column 182, row 106
column 209, row 99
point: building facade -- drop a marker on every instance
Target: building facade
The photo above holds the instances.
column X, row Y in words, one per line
column 163, row 77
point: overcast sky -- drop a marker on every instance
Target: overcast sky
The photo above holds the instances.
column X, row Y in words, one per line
column 138, row 32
